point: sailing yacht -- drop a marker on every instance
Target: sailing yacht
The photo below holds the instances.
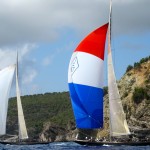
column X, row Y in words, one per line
column 6, row 77
column 85, row 79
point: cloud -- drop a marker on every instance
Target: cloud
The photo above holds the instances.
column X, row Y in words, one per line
column 29, row 75
column 7, row 57
column 27, row 71
column 26, row 49
column 24, row 21
column 47, row 60
column 130, row 17
column 32, row 21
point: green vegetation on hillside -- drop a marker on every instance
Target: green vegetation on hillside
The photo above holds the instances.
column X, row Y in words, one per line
column 129, row 68
column 39, row 109
column 138, row 64
column 140, row 94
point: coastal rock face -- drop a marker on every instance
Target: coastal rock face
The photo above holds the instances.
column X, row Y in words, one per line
column 52, row 133
column 55, row 133
column 137, row 113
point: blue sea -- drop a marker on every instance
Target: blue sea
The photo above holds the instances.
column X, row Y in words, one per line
column 69, row 146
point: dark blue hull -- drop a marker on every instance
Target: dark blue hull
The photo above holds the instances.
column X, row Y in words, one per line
column 94, row 143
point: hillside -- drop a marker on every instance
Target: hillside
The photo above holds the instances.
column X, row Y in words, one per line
column 134, row 88
column 49, row 116
column 39, row 110
column 135, row 93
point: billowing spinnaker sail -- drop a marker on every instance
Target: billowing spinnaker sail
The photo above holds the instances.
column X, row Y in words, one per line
column 6, row 76
column 85, row 78
column 21, row 122
column 118, row 123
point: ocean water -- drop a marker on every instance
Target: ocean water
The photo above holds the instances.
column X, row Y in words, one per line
column 69, row 146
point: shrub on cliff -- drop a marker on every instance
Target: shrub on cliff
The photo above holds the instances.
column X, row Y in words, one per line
column 139, row 95
column 137, row 65
column 144, row 59
column 129, row 68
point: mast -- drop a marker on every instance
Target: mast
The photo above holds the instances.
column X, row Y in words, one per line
column 109, row 51
column 21, row 122
column 109, row 28
column 118, row 123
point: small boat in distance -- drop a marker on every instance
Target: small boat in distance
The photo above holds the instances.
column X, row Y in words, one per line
column 85, row 79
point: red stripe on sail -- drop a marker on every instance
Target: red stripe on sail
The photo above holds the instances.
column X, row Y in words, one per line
column 94, row 43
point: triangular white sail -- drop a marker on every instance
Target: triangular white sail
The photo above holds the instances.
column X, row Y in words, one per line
column 22, row 126
column 6, row 76
column 118, row 123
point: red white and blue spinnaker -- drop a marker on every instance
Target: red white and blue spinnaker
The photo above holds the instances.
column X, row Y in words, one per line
column 85, row 79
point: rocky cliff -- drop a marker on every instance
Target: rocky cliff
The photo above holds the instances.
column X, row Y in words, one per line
column 134, row 88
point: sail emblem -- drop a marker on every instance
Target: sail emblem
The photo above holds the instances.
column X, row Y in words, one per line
column 74, row 65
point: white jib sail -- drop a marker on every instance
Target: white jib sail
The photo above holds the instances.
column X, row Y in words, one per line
column 6, row 76
column 118, row 123
column 21, row 122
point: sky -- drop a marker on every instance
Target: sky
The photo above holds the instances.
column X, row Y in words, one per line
column 46, row 32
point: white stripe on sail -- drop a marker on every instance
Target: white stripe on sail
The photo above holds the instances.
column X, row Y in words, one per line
column 86, row 69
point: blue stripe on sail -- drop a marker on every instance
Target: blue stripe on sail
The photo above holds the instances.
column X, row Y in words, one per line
column 87, row 103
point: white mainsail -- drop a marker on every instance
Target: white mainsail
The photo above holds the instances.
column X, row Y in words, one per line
column 21, row 122
column 6, row 77
column 118, row 123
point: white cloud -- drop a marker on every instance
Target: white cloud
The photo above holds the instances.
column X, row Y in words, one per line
column 47, row 60
column 26, row 49
column 29, row 75
column 26, row 65
column 7, row 57
column 24, row 21
column 130, row 17
column 32, row 21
